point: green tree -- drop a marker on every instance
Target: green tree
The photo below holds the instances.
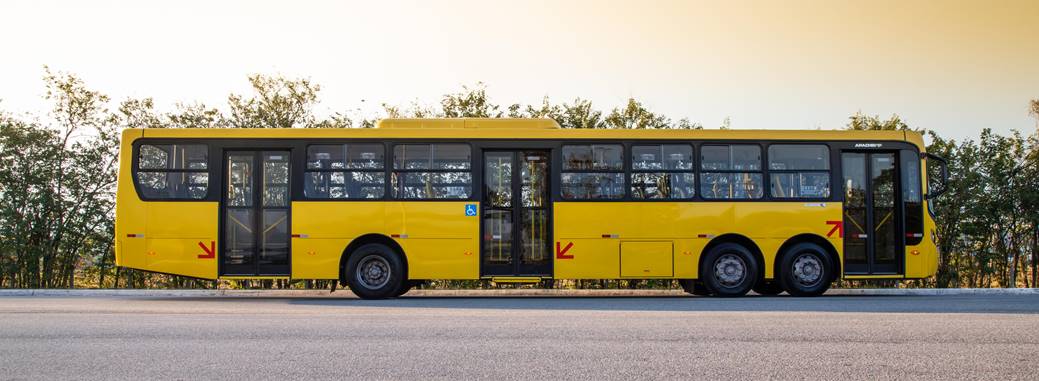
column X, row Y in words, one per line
column 277, row 102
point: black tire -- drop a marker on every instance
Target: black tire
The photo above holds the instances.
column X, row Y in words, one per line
column 693, row 286
column 403, row 290
column 375, row 271
column 407, row 286
column 768, row 288
column 806, row 270
column 729, row 270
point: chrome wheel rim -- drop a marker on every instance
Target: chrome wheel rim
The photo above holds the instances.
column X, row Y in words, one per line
column 808, row 269
column 373, row 272
column 730, row 270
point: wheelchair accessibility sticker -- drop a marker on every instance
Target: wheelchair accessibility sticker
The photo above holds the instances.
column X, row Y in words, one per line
column 470, row 210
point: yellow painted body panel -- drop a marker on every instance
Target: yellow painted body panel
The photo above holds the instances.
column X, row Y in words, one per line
column 646, row 259
column 689, row 225
column 439, row 239
column 440, row 242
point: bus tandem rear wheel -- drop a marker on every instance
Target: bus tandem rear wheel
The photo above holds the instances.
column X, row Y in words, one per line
column 375, row 271
column 806, row 270
column 729, row 269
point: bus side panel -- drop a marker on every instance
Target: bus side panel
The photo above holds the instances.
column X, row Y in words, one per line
column 182, row 238
column 771, row 224
column 691, row 226
column 439, row 239
column 325, row 229
column 130, row 221
column 922, row 259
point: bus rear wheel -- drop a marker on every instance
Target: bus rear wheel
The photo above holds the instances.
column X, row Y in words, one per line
column 806, row 270
column 729, row 269
column 375, row 271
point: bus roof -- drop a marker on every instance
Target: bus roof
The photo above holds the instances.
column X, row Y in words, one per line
column 488, row 128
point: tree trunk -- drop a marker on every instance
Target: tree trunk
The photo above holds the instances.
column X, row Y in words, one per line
column 1035, row 253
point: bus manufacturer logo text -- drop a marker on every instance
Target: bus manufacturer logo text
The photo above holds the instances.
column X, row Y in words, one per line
column 868, row 145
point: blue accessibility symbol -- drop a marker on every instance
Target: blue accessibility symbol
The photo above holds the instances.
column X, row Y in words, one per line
column 470, row 210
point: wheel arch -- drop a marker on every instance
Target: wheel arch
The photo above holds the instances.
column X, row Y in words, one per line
column 367, row 239
column 737, row 239
column 835, row 258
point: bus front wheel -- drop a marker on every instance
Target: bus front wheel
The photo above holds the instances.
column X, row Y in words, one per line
column 729, row 269
column 375, row 271
column 806, row 270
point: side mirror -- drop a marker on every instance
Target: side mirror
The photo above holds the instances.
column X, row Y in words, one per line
column 938, row 163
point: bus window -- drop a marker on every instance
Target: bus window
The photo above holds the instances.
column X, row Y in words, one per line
column 432, row 171
column 911, row 196
column 730, row 171
column 799, row 170
column 594, row 171
column 173, row 171
column 662, row 171
column 345, row 171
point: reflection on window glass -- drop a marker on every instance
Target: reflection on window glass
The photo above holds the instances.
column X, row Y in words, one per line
column 173, row 171
column 432, row 171
column 596, row 157
column 662, row 157
column 345, row 171
column 432, row 185
column 801, row 185
column 341, row 185
column 742, row 157
column 432, row 156
column 799, row 170
column 348, row 156
column 592, row 185
column 173, row 156
column 659, row 185
column 798, row 157
column 731, row 185
column 173, row 185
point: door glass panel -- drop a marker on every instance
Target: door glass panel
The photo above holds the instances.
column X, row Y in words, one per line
column 534, row 235
column 855, row 224
column 276, row 179
column 497, row 178
column 885, row 239
column 275, row 242
column 238, row 237
column 515, row 206
column 256, row 214
column 497, row 243
column 240, row 180
column 534, row 175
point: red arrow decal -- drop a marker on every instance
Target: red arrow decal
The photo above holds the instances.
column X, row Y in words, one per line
column 210, row 252
column 561, row 254
column 838, row 226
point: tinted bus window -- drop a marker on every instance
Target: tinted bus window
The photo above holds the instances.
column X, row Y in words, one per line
column 345, row 171
column 730, row 171
column 173, row 171
column 594, row 171
column 662, row 171
column 799, row 170
column 432, row 171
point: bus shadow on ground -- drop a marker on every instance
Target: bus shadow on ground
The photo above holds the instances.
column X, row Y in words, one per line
column 1017, row 304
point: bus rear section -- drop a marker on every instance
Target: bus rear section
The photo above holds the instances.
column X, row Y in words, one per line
column 384, row 209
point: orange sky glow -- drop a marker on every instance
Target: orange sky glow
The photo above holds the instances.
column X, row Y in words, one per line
column 952, row 66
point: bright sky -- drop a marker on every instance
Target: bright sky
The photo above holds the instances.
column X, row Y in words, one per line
column 953, row 66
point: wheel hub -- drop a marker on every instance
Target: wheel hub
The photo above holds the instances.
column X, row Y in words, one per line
column 373, row 272
column 807, row 269
column 730, row 270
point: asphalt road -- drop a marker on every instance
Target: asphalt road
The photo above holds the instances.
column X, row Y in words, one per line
column 835, row 337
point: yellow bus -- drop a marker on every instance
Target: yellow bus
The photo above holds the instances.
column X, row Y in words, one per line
column 379, row 210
